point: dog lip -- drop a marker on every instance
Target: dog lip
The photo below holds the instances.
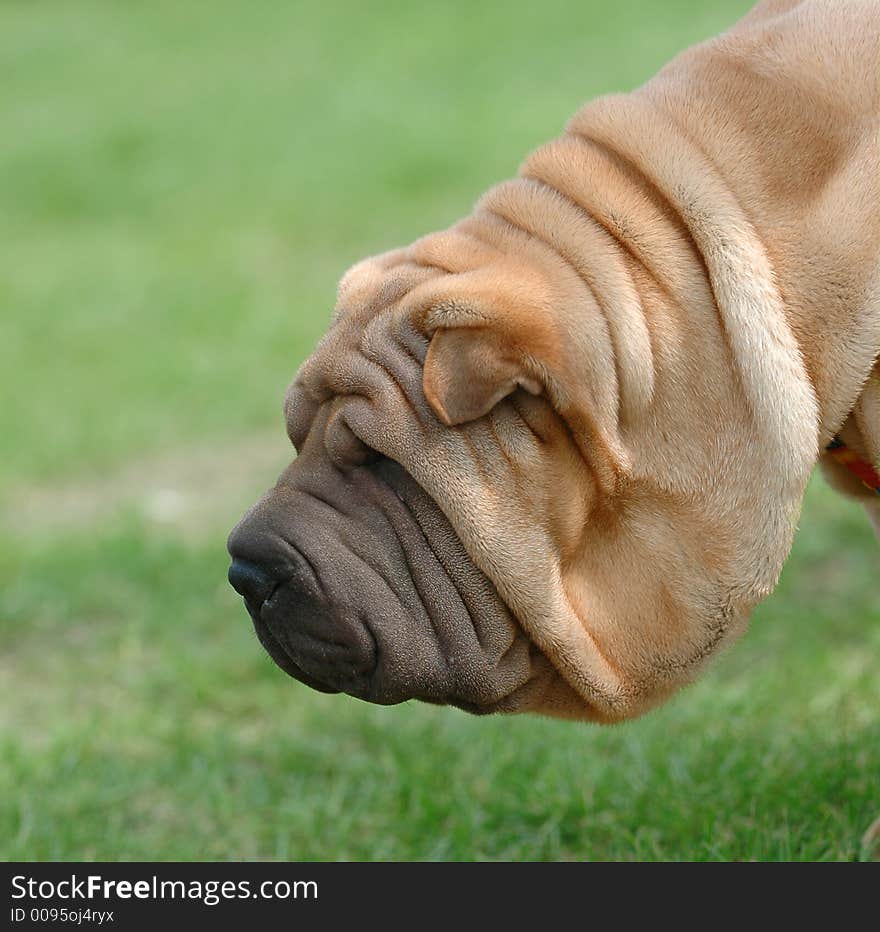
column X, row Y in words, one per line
column 254, row 609
column 267, row 601
column 275, row 619
column 280, row 655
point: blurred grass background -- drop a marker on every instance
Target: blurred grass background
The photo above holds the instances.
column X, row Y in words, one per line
column 181, row 185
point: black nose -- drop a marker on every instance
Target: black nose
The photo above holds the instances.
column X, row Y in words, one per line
column 251, row 582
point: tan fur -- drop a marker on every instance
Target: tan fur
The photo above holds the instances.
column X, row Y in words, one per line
column 689, row 282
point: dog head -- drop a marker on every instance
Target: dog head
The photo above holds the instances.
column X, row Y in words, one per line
column 518, row 487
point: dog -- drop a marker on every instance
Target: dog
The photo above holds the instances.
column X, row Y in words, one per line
column 549, row 459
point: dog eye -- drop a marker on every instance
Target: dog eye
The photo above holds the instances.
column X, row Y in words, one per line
column 345, row 449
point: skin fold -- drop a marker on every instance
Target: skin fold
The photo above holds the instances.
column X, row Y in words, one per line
column 550, row 458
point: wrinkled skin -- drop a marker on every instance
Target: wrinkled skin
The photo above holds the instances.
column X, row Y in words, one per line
column 551, row 458
column 372, row 592
column 376, row 596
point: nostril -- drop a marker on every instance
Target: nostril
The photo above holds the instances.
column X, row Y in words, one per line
column 251, row 582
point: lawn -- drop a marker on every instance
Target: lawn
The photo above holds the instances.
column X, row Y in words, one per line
column 181, row 186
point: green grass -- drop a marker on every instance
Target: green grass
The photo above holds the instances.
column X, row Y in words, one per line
column 180, row 188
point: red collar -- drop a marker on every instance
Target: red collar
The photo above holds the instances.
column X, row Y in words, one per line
column 855, row 464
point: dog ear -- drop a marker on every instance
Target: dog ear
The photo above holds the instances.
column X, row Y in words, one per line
column 505, row 326
column 492, row 330
column 468, row 371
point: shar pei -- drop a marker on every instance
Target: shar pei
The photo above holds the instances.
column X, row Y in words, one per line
column 551, row 457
